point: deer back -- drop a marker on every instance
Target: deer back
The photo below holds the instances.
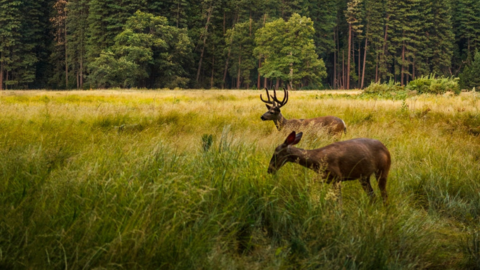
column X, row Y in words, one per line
column 353, row 159
column 332, row 124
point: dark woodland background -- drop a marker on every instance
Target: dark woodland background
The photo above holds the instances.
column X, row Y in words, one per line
column 83, row 44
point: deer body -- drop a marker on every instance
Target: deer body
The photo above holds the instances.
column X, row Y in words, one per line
column 333, row 124
column 340, row 161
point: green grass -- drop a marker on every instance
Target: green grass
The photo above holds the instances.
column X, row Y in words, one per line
column 123, row 180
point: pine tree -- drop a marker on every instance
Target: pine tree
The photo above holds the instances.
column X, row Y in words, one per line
column 467, row 26
column 374, row 36
column 76, row 38
column 441, row 38
column 106, row 20
column 289, row 52
column 418, row 35
column 147, row 53
column 59, row 55
column 9, row 39
column 469, row 77
column 22, row 41
column 241, row 41
column 354, row 16
column 323, row 15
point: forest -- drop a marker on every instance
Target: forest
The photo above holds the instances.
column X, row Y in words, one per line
column 244, row 44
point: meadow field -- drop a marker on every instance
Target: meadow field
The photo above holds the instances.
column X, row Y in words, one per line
column 124, row 180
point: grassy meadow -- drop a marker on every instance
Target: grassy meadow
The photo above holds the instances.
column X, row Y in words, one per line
column 123, row 180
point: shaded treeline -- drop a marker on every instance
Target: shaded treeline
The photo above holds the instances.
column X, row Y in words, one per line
column 60, row 44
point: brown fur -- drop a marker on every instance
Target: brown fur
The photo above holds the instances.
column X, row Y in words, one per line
column 333, row 124
column 340, row 161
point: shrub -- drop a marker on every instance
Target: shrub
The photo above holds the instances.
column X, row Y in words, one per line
column 383, row 88
column 434, row 85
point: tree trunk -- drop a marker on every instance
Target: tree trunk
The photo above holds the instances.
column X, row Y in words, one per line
column 364, row 62
column 1, row 73
column 359, row 63
column 277, row 84
column 81, row 68
column 349, row 55
column 343, row 69
column 384, row 57
column 291, row 71
column 66, row 56
column 250, row 23
column 213, row 68
column 259, row 66
column 204, row 42
column 239, row 70
column 335, row 59
column 402, row 72
column 226, row 68
column 413, row 70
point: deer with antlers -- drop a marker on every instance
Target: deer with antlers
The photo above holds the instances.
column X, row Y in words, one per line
column 340, row 161
column 333, row 125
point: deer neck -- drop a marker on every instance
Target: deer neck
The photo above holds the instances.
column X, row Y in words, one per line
column 280, row 122
column 306, row 158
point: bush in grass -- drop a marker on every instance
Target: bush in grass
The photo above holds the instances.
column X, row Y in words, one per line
column 422, row 85
column 383, row 88
column 434, row 85
column 390, row 90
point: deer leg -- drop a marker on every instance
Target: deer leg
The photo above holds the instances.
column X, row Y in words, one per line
column 382, row 185
column 367, row 187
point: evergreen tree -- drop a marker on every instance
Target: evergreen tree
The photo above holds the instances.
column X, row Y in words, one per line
column 22, row 41
column 374, row 36
column 148, row 53
column 76, row 38
column 241, row 41
column 289, row 52
column 467, row 26
column 106, row 20
column 441, row 38
column 59, row 56
column 354, row 16
column 323, row 15
column 469, row 77
column 9, row 39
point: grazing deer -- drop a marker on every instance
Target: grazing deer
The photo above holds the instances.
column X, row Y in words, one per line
column 334, row 125
column 340, row 161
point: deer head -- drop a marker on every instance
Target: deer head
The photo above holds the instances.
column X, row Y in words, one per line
column 282, row 152
column 273, row 105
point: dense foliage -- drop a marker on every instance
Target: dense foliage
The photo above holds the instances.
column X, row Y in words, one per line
column 60, row 44
column 422, row 85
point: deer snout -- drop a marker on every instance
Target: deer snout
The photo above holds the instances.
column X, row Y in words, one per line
column 263, row 118
column 271, row 170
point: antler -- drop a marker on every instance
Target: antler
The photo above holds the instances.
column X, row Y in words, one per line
column 285, row 98
column 268, row 96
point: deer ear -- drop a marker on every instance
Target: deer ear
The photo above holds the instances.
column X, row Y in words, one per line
column 298, row 138
column 290, row 139
column 268, row 107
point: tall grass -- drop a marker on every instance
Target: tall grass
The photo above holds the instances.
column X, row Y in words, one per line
column 124, row 180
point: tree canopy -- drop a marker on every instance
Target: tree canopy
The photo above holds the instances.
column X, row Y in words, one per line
column 147, row 53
